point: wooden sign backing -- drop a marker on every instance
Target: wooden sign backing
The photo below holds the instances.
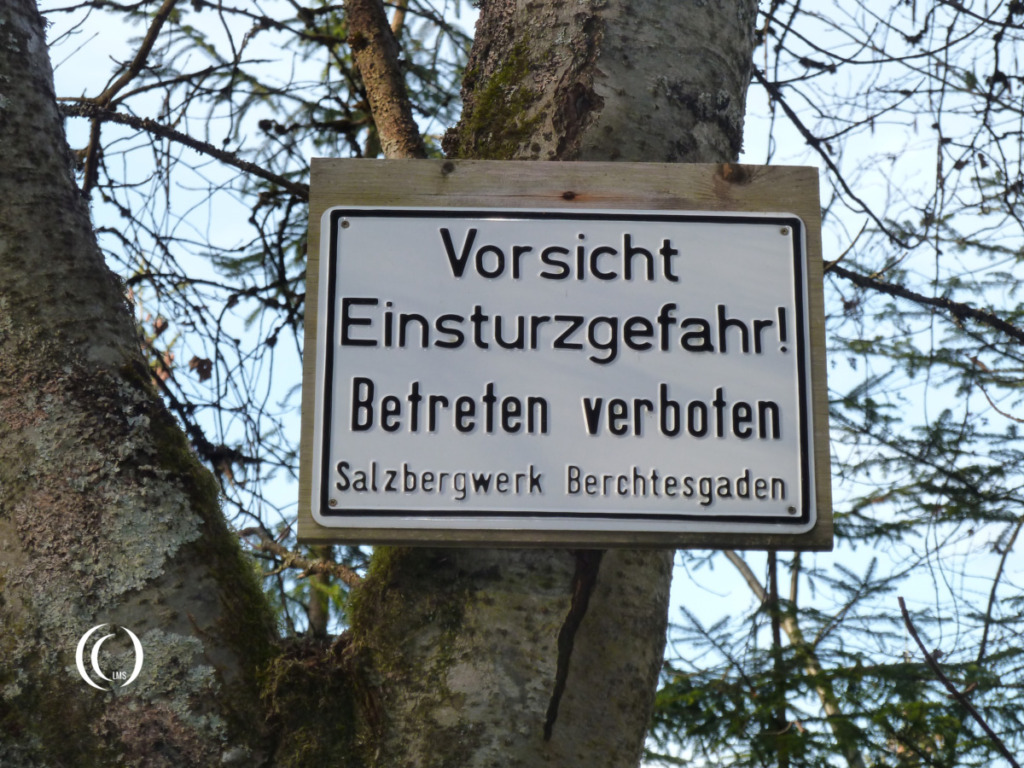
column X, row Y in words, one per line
column 584, row 187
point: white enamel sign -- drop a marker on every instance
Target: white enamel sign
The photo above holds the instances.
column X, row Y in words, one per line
column 554, row 370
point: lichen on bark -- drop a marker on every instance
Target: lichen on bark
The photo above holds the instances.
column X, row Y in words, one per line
column 106, row 516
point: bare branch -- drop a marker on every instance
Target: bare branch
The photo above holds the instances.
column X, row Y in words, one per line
column 748, row 575
column 290, row 559
column 140, row 56
column 957, row 309
column 814, row 142
column 376, row 53
column 983, row 645
column 102, row 114
column 92, row 156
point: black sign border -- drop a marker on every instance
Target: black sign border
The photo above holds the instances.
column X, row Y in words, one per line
column 797, row 231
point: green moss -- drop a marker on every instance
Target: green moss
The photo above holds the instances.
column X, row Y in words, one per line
column 497, row 121
column 37, row 714
column 311, row 698
column 401, row 579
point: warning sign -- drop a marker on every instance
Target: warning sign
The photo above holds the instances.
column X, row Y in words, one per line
column 558, row 370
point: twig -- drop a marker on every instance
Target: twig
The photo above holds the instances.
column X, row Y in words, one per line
column 290, row 559
column 141, row 55
column 830, row 264
column 982, row 646
column 102, row 114
column 376, row 51
column 954, row 692
column 991, row 402
column 105, row 98
column 775, row 91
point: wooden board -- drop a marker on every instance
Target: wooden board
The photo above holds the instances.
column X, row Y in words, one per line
column 572, row 186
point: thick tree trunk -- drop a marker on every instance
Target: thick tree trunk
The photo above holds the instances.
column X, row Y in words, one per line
column 463, row 644
column 105, row 516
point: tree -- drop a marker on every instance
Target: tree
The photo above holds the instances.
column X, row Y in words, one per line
column 814, row 666
column 909, row 112
column 440, row 644
column 103, row 507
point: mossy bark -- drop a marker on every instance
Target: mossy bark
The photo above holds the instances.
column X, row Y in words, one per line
column 649, row 81
column 106, row 517
column 462, row 645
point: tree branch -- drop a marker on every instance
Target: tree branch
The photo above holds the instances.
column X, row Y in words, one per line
column 953, row 691
column 774, row 610
column 290, row 559
column 376, row 51
column 92, row 154
column 141, row 55
column 957, row 309
column 815, row 143
column 102, row 114
column 748, row 575
column 983, row 645
column 398, row 18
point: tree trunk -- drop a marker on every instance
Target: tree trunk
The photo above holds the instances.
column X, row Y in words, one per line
column 105, row 516
column 463, row 645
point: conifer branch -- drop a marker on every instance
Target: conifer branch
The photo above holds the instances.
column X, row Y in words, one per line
column 958, row 310
column 953, row 690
